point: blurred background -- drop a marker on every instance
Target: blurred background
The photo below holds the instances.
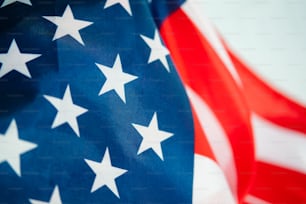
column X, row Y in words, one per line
column 270, row 35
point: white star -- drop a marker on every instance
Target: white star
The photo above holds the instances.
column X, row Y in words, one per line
column 55, row 198
column 124, row 3
column 67, row 112
column 158, row 51
column 15, row 60
column 68, row 25
column 105, row 173
column 115, row 78
column 152, row 137
column 7, row 2
column 11, row 147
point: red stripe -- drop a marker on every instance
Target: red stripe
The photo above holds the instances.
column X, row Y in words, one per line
column 201, row 69
column 267, row 102
column 278, row 185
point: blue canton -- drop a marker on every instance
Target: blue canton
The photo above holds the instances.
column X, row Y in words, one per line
column 91, row 107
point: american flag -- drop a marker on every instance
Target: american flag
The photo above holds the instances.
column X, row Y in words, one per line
column 133, row 101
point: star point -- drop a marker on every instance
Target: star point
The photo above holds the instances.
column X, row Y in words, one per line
column 124, row 3
column 15, row 60
column 106, row 173
column 11, row 147
column 67, row 111
column 158, row 51
column 115, row 78
column 55, row 198
column 68, row 25
column 8, row 2
column 152, row 137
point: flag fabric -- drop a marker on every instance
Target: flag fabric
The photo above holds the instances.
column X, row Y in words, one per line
column 92, row 109
column 122, row 101
column 265, row 130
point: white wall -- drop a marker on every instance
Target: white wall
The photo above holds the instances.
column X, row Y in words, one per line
column 269, row 34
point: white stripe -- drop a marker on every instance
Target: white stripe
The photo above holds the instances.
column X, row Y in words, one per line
column 255, row 200
column 279, row 146
column 216, row 137
column 209, row 183
column 203, row 24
